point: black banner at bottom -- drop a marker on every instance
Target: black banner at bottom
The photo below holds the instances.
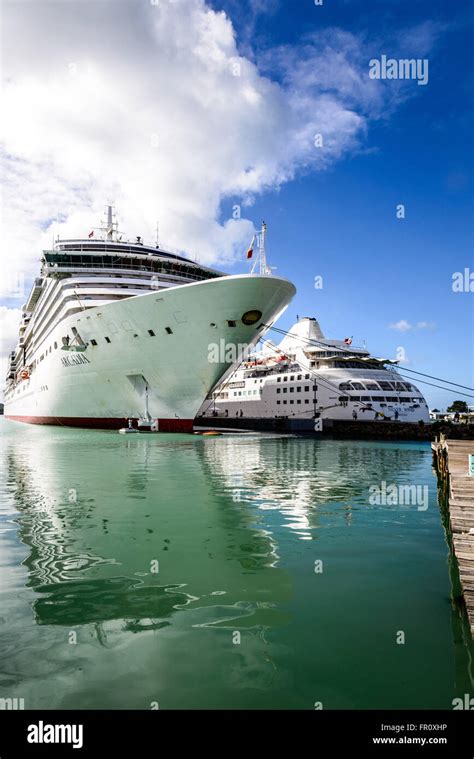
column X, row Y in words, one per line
column 366, row 733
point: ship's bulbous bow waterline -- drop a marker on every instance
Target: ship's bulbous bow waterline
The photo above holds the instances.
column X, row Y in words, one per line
column 150, row 352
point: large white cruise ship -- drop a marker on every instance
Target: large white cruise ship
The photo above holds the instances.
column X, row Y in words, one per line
column 115, row 330
column 308, row 379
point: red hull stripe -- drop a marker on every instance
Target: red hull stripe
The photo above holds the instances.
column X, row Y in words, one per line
column 106, row 423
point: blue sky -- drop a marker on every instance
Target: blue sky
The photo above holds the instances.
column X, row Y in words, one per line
column 341, row 223
column 154, row 117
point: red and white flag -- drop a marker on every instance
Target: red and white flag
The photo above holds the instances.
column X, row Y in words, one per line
column 348, row 340
column 91, row 234
column 250, row 250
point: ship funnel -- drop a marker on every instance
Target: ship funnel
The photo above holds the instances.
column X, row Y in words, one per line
column 305, row 329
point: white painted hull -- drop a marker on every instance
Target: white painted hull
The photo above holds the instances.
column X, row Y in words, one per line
column 99, row 387
column 261, row 409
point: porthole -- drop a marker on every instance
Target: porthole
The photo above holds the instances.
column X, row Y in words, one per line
column 251, row 317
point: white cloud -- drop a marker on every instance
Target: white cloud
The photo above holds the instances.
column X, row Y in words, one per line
column 401, row 326
column 9, row 319
column 425, row 325
column 405, row 326
column 419, row 40
column 139, row 103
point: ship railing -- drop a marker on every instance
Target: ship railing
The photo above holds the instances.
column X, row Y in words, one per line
column 58, row 267
column 113, row 246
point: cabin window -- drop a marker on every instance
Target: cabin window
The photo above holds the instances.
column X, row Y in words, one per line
column 168, row 330
column 107, row 339
column 306, row 387
column 292, row 389
column 306, row 401
column 278, row 403
column 298, row 389
column 285, row 379
column 306, row 376
column 315, row 387
column 300, row 376
column 231, row 322
column 291, row 402
column 93, row 342
column 55, row 346
column 285, row 389
column 278, row 390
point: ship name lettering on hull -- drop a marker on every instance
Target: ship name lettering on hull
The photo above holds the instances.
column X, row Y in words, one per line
column 74, row 360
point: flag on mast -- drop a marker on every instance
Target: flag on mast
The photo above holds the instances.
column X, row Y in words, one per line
column 91, row 234
column 348, row 340
column 250, row 249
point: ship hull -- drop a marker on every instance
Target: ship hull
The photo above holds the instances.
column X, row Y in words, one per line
column 178, row 343
column 103, row 423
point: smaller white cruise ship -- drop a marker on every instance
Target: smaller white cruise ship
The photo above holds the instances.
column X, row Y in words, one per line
column 308, row 379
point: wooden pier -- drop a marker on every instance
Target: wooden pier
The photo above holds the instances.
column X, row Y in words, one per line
column 453, row 466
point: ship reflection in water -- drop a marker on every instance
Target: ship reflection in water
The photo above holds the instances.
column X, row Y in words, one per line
column 181, row 570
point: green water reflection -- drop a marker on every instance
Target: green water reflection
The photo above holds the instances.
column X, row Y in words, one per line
column 181, row 570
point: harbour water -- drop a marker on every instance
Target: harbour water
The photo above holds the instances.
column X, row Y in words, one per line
column 185, row 572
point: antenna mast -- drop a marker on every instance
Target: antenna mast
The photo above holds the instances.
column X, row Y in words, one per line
column 263, row 257
column 110, row 224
